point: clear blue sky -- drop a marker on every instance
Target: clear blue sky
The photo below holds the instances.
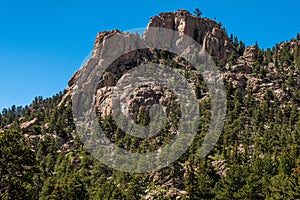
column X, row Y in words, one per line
column 42, row 43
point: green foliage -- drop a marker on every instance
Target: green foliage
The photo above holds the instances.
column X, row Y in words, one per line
column 17, row 164
column 228, row 187
column 198, row 12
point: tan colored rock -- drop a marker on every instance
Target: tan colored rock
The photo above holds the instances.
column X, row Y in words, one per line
column 108, row 79
column 182, row 192
column 217, row 33
column 104, row 101
column 46, row 126
column 34, row 139
column 144, row 97
column 72, row 80
column 205, row 31
column 241, row 68
column 103, row 36
column 220, row 166
column 26, row 125
column 250, row 54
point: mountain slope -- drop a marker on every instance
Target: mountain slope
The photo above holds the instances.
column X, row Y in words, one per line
column 256, row 157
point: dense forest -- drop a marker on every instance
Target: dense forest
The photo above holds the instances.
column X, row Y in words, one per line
column 256, row 157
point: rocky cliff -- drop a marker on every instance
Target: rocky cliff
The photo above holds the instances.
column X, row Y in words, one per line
column 245, row 68
column 208, row 33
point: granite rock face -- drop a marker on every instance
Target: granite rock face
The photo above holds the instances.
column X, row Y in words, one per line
column 250, row 54
column 208, row 33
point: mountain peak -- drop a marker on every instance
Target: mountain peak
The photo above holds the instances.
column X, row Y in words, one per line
column 208, row 33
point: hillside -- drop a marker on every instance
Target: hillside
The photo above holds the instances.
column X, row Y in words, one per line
column 255, row 157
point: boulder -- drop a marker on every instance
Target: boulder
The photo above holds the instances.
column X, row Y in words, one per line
column 26, row 125
column 250, row 54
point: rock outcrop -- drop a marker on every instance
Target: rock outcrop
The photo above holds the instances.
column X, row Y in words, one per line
column 206, row 32
column 214, row 40
column 250, row 54
column 26, row 125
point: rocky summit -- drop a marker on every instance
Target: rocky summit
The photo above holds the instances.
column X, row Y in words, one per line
column 208, row 33
column 239, row 65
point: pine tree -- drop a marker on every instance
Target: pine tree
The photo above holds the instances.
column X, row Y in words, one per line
column 16, row 166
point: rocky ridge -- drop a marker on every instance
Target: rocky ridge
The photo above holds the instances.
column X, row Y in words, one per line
column 214, row 40
column 206, row 32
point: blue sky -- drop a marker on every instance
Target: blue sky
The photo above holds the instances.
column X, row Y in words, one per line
column 42, row 43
